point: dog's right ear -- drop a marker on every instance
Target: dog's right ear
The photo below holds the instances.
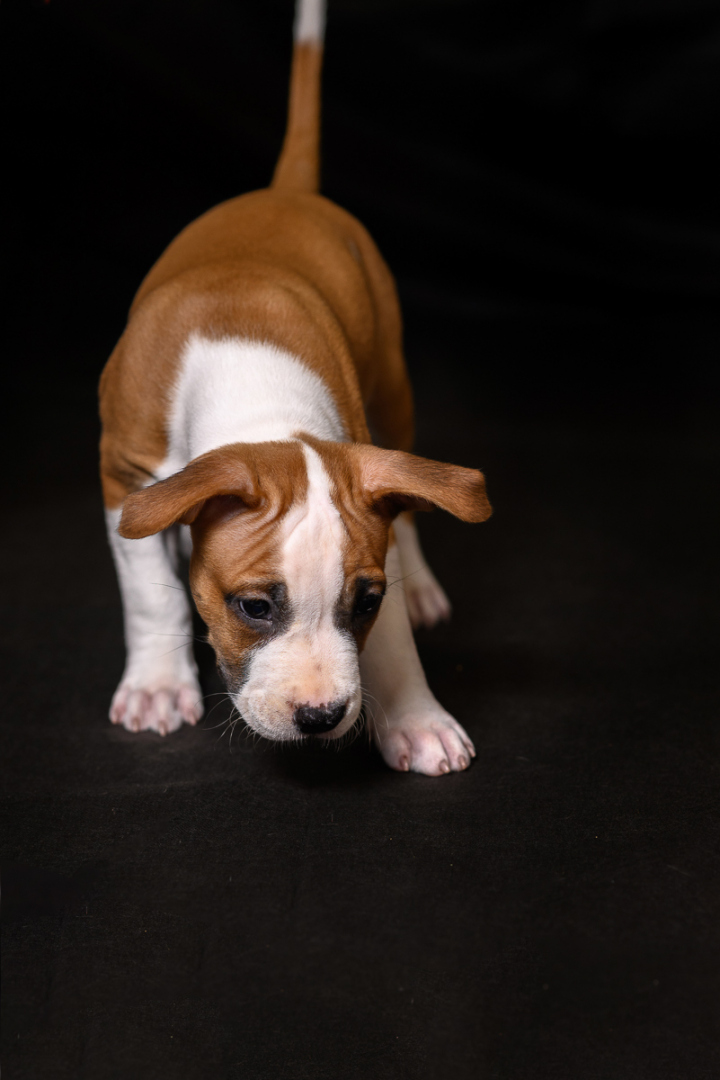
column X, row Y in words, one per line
column 227, row 471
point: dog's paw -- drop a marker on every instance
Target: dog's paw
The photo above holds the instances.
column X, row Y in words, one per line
column 163, row 709
column 426, row 600
column 427, row 740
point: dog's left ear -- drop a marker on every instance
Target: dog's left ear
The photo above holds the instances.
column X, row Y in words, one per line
column 396, row 481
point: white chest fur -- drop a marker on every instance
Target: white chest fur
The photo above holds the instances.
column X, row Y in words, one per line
column 235, row 390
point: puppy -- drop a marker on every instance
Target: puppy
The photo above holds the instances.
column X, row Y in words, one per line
column 260, row 351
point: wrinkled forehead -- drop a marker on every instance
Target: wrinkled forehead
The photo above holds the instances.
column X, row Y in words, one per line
column 330, row 538
column 313, row 532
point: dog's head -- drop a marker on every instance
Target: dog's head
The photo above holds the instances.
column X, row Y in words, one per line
column 287, row 570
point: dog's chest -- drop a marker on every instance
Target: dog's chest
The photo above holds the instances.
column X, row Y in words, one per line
column 234, row 390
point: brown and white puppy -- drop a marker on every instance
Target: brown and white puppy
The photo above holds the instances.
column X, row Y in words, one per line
column 237, row 402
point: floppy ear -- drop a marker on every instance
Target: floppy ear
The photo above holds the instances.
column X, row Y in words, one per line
column 181, row 497
column 398, row 481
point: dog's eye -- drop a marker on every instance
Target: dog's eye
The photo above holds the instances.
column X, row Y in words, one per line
column 367, row 604
column 255, row 609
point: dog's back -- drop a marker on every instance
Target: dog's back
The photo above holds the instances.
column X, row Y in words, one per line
column 282, row 265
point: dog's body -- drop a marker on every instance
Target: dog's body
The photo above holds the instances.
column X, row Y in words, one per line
column 259, row 348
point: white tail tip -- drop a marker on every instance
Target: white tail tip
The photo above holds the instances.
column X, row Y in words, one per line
column 309, row 21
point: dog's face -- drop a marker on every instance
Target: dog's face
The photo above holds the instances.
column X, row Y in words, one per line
column 289, row 546
column 289, row 590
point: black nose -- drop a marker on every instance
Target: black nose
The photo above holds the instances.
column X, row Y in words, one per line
column 315, row 720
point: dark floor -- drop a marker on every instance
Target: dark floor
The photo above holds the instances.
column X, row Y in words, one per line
column 184, row 908
column 541, row 178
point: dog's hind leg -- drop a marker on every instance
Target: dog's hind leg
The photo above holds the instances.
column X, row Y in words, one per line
column 426, row 600
column 390, row 413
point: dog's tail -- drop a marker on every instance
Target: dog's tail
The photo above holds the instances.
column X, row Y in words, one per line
column 298, row 167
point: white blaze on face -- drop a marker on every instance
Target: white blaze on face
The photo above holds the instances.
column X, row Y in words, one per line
column 312, row 662
column 313, row 542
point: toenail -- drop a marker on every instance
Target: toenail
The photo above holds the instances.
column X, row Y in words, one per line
column 404, row 764
column 462, row 762
column 444, row 766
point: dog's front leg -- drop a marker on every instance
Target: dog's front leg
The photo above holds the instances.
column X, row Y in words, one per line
column 159, row 688
column 410, row 728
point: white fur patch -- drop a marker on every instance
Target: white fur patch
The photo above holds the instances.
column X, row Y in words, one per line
column 235, row 390
column 314, row 537
column 159, row 687
column 309, row 20
column 313, row 662
column 156, row 606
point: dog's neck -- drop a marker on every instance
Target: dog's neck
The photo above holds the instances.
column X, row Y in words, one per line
column 233, row 390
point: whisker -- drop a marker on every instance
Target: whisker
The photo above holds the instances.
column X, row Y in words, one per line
column 176, row 649
column 188, row 637
column 228, row 727
column 214, row 726
column 223, row 732
column 399, row 580
column 233, row 725
column 367, row 697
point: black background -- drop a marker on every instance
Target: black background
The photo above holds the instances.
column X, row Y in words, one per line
column 541, row 179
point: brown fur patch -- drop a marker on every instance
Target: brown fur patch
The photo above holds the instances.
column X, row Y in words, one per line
column 261, row 476
column 371, row 486
column 272, row 266
column 298, row 165
column 390, row 481
column 237, row 553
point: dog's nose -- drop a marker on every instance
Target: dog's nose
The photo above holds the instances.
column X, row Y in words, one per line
column 317, row 719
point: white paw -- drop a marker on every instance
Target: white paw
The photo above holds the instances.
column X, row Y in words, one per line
column 162, row 709
column 427, row 740
column 426, row 600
